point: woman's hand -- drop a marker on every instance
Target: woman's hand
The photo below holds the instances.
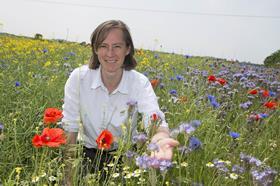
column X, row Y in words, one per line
column 165, row 145
column 165, row 150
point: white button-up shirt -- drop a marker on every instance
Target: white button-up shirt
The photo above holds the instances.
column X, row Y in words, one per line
column 87, row 100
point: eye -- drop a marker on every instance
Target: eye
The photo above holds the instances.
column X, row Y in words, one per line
column 117, row 46
column 102, row 46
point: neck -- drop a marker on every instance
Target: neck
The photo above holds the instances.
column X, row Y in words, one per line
column 111, row 80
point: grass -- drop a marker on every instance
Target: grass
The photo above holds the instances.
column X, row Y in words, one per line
column 32, row 78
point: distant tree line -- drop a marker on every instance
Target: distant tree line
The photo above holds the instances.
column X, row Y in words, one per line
column 273, row 60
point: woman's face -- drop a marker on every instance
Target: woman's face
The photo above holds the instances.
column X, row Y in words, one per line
column 112, row 51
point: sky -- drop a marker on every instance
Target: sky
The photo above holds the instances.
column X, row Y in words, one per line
column 244, row 30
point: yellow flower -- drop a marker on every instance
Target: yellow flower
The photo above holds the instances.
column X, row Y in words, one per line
column 126, row 168
column 209, row 164
column 48, row 63
column 18, row 170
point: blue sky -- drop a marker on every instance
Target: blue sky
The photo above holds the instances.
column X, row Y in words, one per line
column 246, row 30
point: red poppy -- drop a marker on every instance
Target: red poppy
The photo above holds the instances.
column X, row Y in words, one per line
column 253, row 92
column 270, row 104
column 154, row 117
column 154, row 83
column 105, row 139
column 52, row 115
column 265, row 93
column 211, row 78
column 51, row 137
column 221, row 81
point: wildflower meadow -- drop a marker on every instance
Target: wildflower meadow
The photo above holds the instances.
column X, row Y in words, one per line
column 224, row 113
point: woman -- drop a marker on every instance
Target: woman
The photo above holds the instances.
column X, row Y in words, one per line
column 98, row 94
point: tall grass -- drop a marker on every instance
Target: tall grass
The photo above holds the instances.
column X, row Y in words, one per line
column 33, row 74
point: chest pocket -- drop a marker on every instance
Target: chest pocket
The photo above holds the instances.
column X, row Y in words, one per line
column 119, row 116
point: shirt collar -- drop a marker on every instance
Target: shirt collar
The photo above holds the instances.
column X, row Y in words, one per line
column 122, row 88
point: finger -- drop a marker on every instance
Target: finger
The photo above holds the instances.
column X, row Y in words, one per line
column 168, row 141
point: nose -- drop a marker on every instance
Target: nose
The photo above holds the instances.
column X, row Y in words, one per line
column 110, row 51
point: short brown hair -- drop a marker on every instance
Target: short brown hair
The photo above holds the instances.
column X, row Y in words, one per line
column 99, row 35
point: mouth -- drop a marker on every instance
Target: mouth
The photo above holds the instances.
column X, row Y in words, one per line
column 111, row 61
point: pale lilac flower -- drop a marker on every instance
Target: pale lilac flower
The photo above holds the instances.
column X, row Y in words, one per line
column 153, row 147
column 141, row 138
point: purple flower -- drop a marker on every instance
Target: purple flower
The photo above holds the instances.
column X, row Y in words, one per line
column 194, row 143
column 246, row 105
column 141, row 138
column 250, row 160
column 164, row 165
column 130, row 154
column 234, row 135
column 264, row 177
column 153, row 147
column 161, row 85
column 189, row 129
column 145, row 162
column 45, row 50
column 17, row 84
column 237, row 169
column 142, row 161
column 153, row 162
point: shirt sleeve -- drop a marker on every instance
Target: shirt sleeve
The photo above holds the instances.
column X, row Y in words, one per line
column 147, row 104
column 71, row 106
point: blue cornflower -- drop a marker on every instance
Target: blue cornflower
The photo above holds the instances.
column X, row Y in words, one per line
column 1, row 126
column 17, row 84
column 173, row 92
column 45, row 50
column 272, row 94
column 179, row 77
column 195, row 123
column 213, row 101
column 263, row 115
column 234, row 135
column 194, row 143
